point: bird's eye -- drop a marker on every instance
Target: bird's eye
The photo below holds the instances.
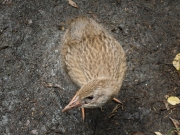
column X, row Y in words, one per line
column 90, row 97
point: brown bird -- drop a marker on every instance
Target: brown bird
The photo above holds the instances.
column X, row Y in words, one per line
column 95, row 61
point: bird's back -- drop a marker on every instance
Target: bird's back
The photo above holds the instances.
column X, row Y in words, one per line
column 89, row 53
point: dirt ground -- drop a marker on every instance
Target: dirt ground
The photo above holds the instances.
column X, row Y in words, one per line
column 30, row 36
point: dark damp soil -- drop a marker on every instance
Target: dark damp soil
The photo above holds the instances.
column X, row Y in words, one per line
column 30, row 34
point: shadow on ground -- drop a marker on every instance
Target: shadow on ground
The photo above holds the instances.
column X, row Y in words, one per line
column 30, row 36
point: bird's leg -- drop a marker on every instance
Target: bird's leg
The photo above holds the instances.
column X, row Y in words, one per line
column 83, row 113
column 117, row 100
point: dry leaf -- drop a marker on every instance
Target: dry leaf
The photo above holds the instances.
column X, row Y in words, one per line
column 173, row 100
column 157, row 133
column 72, row 3
column 166, row 104
column 176, row 124
column 176, row 62
column 166, row 96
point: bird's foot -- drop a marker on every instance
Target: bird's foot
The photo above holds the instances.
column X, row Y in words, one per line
column 116, row 107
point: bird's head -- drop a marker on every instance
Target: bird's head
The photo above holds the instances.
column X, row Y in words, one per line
column 94, row 94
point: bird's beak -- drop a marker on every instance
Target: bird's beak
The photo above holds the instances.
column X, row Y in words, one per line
column 75, row 102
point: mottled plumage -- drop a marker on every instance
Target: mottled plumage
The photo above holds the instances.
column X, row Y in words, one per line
column 95, row 61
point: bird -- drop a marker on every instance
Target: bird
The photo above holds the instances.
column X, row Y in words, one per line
column 95, row 61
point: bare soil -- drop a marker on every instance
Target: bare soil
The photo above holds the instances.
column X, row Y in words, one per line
column 30, row 36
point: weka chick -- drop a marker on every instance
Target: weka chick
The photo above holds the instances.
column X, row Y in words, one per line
column 95, row 61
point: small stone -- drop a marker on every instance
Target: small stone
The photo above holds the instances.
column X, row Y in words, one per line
column 27, row 122
column 34, row 132
column 29, row 21
column 60, row 27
